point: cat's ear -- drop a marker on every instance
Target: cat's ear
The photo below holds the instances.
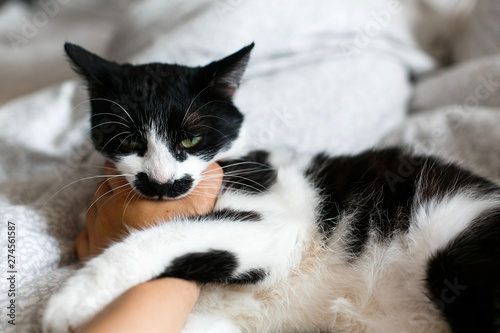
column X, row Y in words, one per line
column 228, row 72
column 94, row 69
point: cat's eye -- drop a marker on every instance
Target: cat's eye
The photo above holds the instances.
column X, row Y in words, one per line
column 131, row 144
column 190, row 143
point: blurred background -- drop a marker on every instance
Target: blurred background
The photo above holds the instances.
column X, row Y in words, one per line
column 32, row 31
column 326, row 75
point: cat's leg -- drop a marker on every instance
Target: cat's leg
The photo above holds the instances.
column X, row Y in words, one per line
column 225, row 247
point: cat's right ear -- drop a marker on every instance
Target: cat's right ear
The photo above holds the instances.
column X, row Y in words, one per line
column 226, row 74
column 94, row 69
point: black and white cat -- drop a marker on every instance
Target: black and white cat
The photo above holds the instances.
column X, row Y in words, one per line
column 383, row 241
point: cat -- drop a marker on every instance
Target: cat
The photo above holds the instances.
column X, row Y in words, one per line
column 381, row 241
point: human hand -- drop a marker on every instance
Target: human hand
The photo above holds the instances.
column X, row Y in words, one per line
column 164, row 306
column 116, row 207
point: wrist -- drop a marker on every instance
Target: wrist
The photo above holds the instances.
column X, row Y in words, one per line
column 160, row 305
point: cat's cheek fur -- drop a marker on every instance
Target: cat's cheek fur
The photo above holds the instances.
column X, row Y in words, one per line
column 193, row 166
column 129, row 166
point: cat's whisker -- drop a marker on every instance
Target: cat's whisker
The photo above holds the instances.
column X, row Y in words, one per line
column 201, row 193
column 102, row 166
column 209, row 175
column 121, row 191
column 263, row 188
column 106, row 123
column 117, row 135
column 83, row 102
column 109, row 114
column 112, row 177
column 131, row 190
column 246, row 185
column 207, row 187
column 244, row 163
column 247, row 171
column 121, row 143
column 212, row 128
column 240, row 190
column 214, row 101
column 190, row 198
column 217, row 117
column 108, row 100
column 245, row 178
column 239, row 175
column 191, row 104
column 111, row 190
column 74, row 182
column 128, row 203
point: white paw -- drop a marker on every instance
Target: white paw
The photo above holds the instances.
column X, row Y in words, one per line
column 100, row 281
column 87, row 292
column 203, row 323
column 78, row 301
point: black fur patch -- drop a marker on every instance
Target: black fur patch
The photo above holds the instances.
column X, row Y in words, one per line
column 463, row 279
column 234, row 215
column 215, row 266
column 379, row 188
column 441, row 179
column 253, row 276
column 170, row 190
column 364, row 185
column 252, row 174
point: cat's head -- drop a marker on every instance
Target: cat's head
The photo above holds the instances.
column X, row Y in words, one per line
column 162, row 124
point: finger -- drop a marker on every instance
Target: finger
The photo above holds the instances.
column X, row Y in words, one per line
column 91, row 215
column 81, row 245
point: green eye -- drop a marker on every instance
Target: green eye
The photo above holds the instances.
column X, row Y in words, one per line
column 130, row 144
column 190, row 143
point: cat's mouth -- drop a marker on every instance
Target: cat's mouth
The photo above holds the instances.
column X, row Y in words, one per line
column 171, row 190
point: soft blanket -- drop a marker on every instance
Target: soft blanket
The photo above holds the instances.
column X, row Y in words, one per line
column 332, row 75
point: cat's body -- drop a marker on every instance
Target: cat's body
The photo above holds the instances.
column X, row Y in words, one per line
column 383, row 241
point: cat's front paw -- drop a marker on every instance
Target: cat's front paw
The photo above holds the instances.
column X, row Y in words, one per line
column 78, row 301
column 100, row 281
column 84, row 295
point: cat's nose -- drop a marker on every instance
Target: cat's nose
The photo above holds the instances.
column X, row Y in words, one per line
column 160, row 189
column 152, row 188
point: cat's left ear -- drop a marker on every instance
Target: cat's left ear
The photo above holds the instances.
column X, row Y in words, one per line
column 227, row 73
column 97, row 71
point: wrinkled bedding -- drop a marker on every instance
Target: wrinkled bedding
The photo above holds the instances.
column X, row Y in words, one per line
column 311, row 85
